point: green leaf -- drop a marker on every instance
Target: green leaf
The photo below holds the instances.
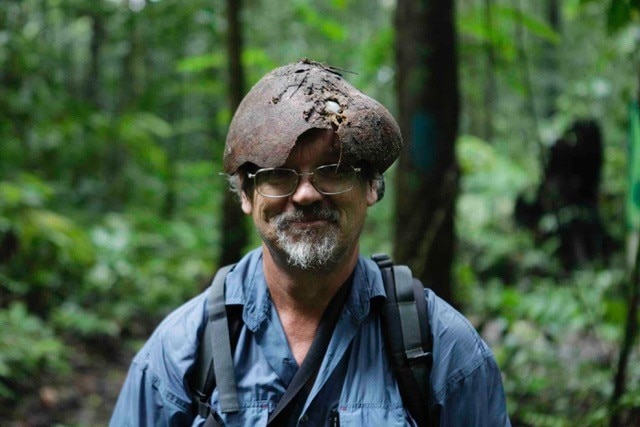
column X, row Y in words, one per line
column 10, row 195
column 485, row 169
column 618, row 15
column 377, row 51
column 197, row 63
column 339, row 4
column 531, row 23
column 27, row 347
column 145, row 122
column 26, row 190
column 328, row 27
column 72, row 242
column 73, row 318
column 615, row 311
column 257, row 58
column 139, row 132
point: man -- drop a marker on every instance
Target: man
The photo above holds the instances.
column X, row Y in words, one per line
column 305, row 152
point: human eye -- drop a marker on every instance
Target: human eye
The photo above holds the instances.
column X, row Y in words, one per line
column 275, row 175
column 275, row 181
column 333, row 178
column 334, row 171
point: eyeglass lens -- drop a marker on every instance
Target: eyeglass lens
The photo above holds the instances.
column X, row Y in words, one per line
column 327, row 179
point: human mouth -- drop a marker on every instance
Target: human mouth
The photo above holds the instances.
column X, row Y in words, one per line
column 303, row 220
column 309, row 222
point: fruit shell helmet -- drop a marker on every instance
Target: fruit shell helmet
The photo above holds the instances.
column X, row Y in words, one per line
column 305, row 95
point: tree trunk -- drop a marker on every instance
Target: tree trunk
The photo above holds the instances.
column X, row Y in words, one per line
column 427, row 176
column 131, row 77
column 550, row 56
column 490, row 85
column 523, row 62
column 93, row 76
column 234, row 228
column 133, row 64
column 631, row 323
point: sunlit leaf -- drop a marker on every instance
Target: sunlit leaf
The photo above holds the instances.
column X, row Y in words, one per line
column 194, row 64
column 257, row 58
column 328, row 27
column 62, row 232
column 485, row 168
column 143, row 122
column 85, row 323
column 531, row 23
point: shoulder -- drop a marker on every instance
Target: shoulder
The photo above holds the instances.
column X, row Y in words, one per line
column 172, row 348
column 458, row 350
column 177, row 337
column 466, row 381
column 155, row 390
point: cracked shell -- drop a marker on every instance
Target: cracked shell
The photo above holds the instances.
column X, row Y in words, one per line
column 293, row 99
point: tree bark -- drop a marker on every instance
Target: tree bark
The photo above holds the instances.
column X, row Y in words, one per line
column 427, row 176
column 631, row 324
column 234, row 230
column 550, row 56
column 490, row 85
column 132, row 64
column 132, row 76
column 523, row 61
column 93, row 76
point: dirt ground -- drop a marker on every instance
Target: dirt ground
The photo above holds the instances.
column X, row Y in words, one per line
column 84, row 398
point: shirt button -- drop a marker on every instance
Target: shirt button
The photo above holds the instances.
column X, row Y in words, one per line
column 304, row 418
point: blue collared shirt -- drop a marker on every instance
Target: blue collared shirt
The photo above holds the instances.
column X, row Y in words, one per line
column 354, row 383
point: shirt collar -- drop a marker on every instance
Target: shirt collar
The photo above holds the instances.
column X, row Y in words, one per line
column 246, row 286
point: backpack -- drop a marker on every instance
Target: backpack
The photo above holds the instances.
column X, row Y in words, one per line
column 405, row 328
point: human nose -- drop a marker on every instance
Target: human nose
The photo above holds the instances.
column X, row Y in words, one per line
column 305, row 192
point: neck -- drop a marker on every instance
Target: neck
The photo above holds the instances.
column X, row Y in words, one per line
column 304, row 291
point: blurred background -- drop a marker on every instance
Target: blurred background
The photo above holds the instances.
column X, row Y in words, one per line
column 514, row 199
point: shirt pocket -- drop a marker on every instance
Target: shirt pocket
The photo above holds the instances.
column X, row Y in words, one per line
column 373, row 416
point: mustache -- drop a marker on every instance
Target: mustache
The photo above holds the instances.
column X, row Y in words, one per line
column 307, row 213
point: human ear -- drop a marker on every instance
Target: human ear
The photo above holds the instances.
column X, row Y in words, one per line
column 245, row 203
column 371, row 193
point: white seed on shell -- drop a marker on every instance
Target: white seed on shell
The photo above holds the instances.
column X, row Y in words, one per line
column 332, row 106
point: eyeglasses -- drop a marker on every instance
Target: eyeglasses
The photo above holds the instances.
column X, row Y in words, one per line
column 282, row 182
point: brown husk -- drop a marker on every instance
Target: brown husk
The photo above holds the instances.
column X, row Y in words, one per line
column 306, row 95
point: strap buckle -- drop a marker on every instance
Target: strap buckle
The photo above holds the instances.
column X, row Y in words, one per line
column 421, row 358
column 383, row 260
column 204, row 408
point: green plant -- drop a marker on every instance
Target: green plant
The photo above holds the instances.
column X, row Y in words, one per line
column 28, row 348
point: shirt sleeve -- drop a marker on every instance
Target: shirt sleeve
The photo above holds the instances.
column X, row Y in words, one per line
column 465, row 378
column 147, row 400
column 156, row 390
column 477, row 400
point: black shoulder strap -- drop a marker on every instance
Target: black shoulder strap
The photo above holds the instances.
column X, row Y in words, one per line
column 215, row 357
column 311, row 363
column 407, row 335
column 405, row 326
column 217, row 360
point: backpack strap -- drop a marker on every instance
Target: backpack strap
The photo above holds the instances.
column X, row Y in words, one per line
column 407, row 336
column 405, row 327
column 311, row 363
column 215, row 357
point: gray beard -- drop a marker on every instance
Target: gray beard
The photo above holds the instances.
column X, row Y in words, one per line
column 309, row 248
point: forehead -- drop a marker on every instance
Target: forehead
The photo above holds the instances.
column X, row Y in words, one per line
column 316, row 147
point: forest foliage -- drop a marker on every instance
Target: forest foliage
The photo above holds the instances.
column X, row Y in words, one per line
column 113, row 115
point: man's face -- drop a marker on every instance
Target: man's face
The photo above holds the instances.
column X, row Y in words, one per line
column 307, row 229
